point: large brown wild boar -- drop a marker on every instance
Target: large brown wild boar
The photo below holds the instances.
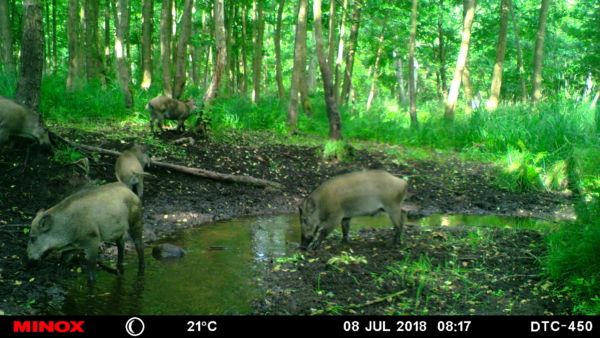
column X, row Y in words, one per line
column 84, row 219
column 17, row 120
column 163, row 107
column 129, row 168
column 336, row 201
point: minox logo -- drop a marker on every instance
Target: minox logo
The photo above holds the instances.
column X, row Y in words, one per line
column 59, row 326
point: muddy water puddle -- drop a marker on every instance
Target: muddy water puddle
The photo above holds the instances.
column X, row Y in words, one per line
column 221, row 271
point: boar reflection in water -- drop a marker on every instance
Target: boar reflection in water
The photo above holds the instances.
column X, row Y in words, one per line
column 336, row 201
column 84, row 219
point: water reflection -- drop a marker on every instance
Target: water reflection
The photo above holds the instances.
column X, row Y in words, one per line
column 222, row 267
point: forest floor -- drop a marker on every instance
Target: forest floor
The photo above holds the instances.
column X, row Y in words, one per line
column 450, row 270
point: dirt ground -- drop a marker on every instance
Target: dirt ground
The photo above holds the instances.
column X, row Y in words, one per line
column 174, row 200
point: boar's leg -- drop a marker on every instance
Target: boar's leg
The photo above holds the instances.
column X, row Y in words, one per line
column 139, row 248
column 345, row 230
column 120, row 253
column 180, row 126
column 398, row 217
column 91, row 256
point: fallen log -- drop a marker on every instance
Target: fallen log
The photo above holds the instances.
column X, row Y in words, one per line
column 188, row 170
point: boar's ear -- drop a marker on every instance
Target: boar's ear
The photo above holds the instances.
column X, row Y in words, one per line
column 45, row 223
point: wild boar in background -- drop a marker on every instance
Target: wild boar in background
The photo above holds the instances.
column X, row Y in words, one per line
column 17, row 120
column 86, row 218
column 129, row 168
column 336, row 201
column 164, row 107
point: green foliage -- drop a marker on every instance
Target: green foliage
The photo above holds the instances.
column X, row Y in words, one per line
column 66, row 155
column 346, row 258
column 574, row 258
column 337, row 150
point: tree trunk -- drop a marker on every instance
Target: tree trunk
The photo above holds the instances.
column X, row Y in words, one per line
column 351, row 50
column 494, row 99
column 166, row 27
column 311, row 72
column 32, row 55
column 6, row 53
column 93, row 58
column 259, row 27
column 181, row 60
column 299, row 65
column 107, row 45
column 54, row 52
column 442, row 50
column 221, row 46
column 340, row 53
column 122, row 26
column 147, row 25
column 376, row 69
column 412, row 75
column 278, row 73
column 244, row 88
column 76, row 62
column 400, row 78
column 461, row 60
column 335, row 127
column 468, row 89
column 331, row 37
column 520, row 66
column 539, row 52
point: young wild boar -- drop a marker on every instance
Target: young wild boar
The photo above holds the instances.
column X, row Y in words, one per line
column 84, row 219
column 129, row 168
column 16, row 120
column 336, row 201
column 163, row 107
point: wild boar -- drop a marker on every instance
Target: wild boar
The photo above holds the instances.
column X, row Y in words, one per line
column 336, row 201
column 17, row 120
column 163, row 107
column 129, row 168
column 84, row 219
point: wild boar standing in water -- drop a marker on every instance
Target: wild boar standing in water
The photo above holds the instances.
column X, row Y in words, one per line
column 336, row 201
column 129, row 168
column 17, row 120
column 164, row 107
column 86, row 218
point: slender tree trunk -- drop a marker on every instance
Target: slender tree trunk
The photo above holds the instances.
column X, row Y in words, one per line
column 32, row 55
column 107, row 44
column 76, row 61
column 311, row 73
column 335, row 126
column 221, row 63
column 54, row 51
column 412, row 76
column 400, row 78
column 93, row 58
column 7, row 61
column 278, row 73
column 299, row 64
column 181, row 60
column 340, row 53
column 494, row 99
column 376, row 69
column 539, row 52
column 166, row 27
column 351, row 50
column 331, row 37
column 122, row 26
column 442, row 50
column 461, row 60
column 468, row 89
column 147, row 25
column 244, row 42
column 520, row 67
column 259, row 27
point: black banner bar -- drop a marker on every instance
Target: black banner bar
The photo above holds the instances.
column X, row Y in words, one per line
column 351, row 326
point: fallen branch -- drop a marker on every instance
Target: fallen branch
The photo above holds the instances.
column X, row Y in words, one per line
column 188, row 170
column 388, row 298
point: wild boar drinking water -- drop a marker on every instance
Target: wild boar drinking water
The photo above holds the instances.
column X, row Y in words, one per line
column 336, row 201
column 84, row 219
column 17, row 120
column 129, row 168
column 163, row 107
